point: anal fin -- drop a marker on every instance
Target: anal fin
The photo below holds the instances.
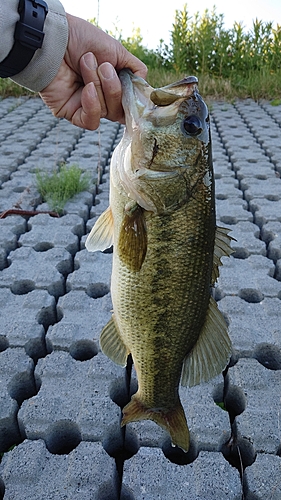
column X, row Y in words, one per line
column 211, row 352
column 222, row 249
column 112, row 345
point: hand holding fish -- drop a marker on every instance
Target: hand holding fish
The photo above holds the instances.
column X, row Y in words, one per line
column 87, row 86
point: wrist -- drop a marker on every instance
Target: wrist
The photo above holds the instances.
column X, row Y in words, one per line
column 28, row 37
column 46, row 61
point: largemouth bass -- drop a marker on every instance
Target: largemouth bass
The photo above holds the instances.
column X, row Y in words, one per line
column 167, row 250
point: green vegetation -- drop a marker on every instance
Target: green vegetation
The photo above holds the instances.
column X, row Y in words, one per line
column 9, row 88
column 61, row 186
column 222, row 406
column 228, row 63
column 275, row 102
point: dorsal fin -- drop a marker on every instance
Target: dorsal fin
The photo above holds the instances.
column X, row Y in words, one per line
column 222, row 249
column 211, row 352
column 101, row 235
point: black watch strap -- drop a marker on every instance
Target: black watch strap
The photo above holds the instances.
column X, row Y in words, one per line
column 28, row 37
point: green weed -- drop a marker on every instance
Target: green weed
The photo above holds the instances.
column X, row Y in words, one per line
column 275, row 102
column 61, row 186
column 9, row 88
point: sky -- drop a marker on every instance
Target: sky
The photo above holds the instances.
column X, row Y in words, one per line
column 155, row 18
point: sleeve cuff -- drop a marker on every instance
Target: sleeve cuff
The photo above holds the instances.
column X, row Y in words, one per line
column 45, row 63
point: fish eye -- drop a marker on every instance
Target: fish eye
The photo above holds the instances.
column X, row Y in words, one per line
column 192, row 125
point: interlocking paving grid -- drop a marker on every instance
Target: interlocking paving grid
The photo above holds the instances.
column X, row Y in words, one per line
column 61, row 398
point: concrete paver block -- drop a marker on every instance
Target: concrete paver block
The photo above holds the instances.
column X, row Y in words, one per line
column 261, row 386
column 43, row 270
column 252, row 323
column 176, row 482
column 46, row 232
column 246, row 240
column 90, row 271
column 81, row 318
column 24, row 319
column 71, row 390
column 267, row 484
column 265, row 210
column 84, row 474
column 255, row 273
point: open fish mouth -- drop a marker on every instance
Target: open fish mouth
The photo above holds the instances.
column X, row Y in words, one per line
column 161, row 105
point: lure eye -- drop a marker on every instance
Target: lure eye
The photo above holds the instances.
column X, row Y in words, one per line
column 192, row 125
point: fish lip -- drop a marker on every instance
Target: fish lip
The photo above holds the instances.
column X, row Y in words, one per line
column 135, row 97
column 174, row 91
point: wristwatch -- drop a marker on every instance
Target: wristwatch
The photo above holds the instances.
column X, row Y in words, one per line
column 28, row 37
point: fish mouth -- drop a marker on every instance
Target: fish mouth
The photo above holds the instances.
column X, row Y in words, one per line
column 139, row 99
column 135, row 97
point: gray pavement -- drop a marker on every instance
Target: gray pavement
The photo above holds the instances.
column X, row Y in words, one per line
column 61, row 398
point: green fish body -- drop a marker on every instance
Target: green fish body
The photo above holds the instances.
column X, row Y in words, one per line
column 167, row 250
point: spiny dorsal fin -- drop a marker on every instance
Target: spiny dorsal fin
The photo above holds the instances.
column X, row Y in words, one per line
column 132, row 243
column 212, row 351
column 101, row 236
column 222, row 249
column 112, row 345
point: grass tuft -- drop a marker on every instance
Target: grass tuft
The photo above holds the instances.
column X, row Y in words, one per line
column 10, row 89
column 275, row 102
column 62, row 185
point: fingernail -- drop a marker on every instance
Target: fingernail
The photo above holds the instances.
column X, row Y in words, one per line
column 107, row 71
column 92, row 90
column 90, row 60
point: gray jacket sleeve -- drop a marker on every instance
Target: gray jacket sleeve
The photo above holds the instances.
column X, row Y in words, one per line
column 46, row 61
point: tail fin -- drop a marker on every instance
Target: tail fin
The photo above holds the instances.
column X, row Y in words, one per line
column 172, row 420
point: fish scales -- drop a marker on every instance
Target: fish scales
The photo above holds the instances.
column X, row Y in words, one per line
column 167, row 251
column 160, row 300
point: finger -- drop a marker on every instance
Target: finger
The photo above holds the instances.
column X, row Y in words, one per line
column 137, row 67
column 128, row 60
column 88, row 115
column 89, row 73
column 112, row 92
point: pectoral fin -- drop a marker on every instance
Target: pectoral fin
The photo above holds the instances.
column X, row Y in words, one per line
column 112, row 345
column 101, row 236
column 211, row 353
column 222, row 249
column 132, row 243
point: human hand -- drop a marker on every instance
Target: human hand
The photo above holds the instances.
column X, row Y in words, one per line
column 86, row 87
